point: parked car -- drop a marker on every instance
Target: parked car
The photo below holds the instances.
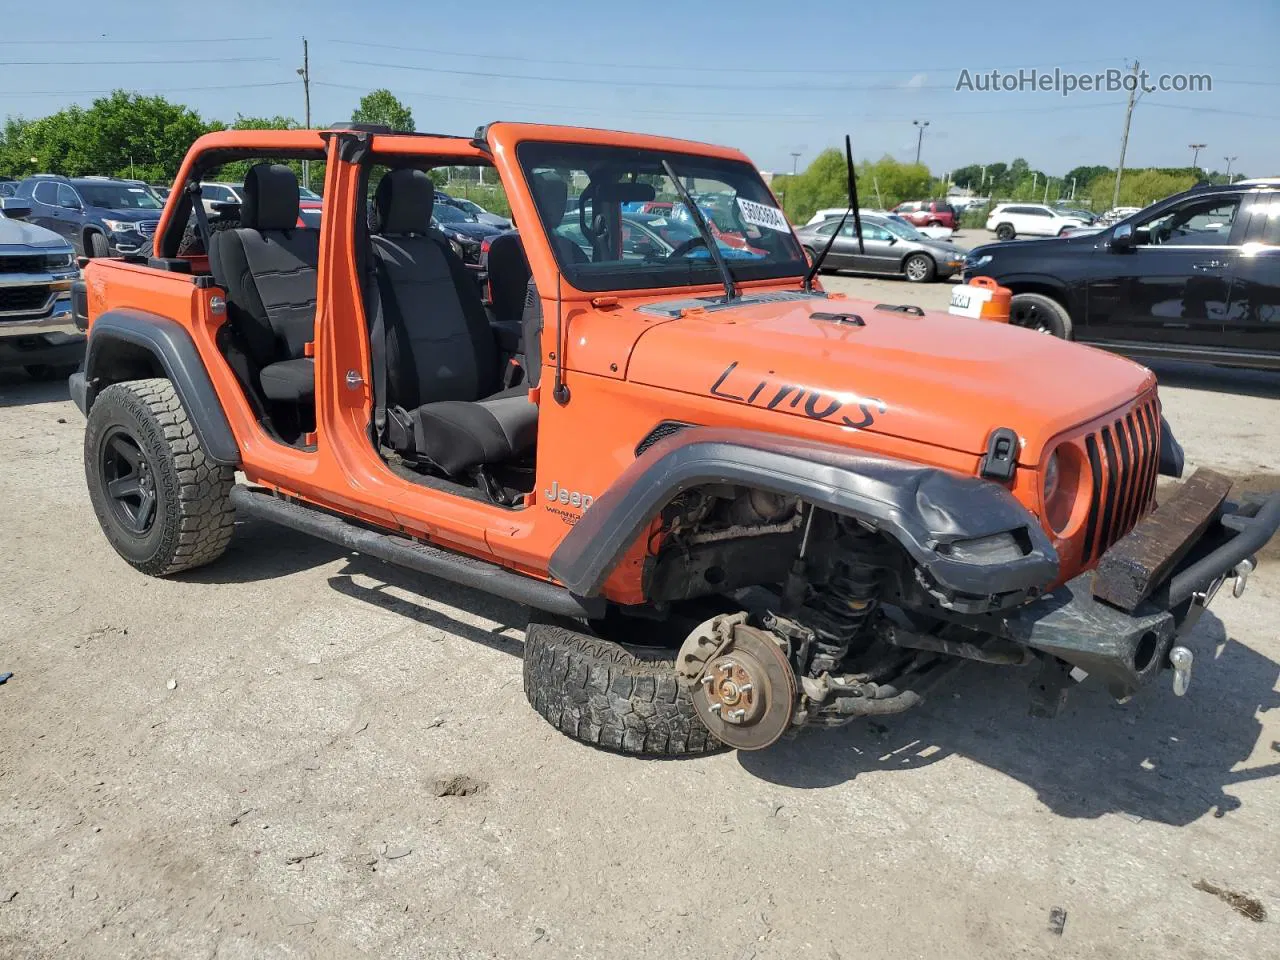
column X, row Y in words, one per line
column 889, row 247
column 475, row 210
column 1193, row 277
column 1116, row 214
column 37, row 328
column 464, row 232
column 928, row 213
column 98, row 216
column 161, row 190
column 1009, row 220
column 932, row 233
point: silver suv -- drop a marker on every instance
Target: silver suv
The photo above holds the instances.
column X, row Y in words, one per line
column 37, row 266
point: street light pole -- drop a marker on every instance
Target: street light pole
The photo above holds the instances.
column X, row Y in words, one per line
column 795, row 159
column 919, row 125
column 1230, row 161
column 1195, row 154
column 304, row 72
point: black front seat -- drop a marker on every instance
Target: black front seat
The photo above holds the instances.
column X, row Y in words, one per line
column 268, row 268
column 443, row 398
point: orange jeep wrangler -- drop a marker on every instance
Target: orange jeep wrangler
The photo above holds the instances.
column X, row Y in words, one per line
column 738, row 505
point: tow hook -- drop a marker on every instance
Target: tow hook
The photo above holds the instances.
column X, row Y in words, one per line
column 1180, row 658
column 1241, row 574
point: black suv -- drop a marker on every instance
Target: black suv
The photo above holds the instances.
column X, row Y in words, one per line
column 1193, row 277
column 100, row 216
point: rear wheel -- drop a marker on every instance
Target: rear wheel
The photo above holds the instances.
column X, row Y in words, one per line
column 163, row 505
column 1035, row 311
column 1005, row 232
column 811, row 255
column 919, row 268
column 98, row 246
column 609, row 694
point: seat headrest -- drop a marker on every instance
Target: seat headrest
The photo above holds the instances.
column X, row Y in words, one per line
column 552, row 195
column 270, row 198
column 403, row 202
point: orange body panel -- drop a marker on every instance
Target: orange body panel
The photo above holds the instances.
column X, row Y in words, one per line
column 925, row 389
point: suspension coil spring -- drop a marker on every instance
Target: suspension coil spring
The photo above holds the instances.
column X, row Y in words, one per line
column 838, row 609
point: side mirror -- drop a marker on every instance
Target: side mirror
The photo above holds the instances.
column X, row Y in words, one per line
column 1122, row 237
column 892, row 240
column 15, row 208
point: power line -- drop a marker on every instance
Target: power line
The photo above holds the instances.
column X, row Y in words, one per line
column 137, row 63
column 669, row 67
column 665, row 84
column 105, row 40
column 81, row 93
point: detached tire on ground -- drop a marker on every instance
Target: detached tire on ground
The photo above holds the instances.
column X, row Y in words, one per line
column 610, row 695
column 1035, row 311
column 163, row 505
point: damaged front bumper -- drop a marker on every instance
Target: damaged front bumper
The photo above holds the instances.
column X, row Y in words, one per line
column 1124, row 649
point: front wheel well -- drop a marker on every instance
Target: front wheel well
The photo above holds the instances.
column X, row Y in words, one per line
column 1044, row 289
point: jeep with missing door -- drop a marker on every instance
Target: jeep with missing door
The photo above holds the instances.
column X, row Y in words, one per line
column 738, row 505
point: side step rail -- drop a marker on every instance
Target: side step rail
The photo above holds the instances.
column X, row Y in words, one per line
column 403, row 552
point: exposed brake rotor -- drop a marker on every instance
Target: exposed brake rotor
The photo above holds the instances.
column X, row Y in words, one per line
column 746, row 693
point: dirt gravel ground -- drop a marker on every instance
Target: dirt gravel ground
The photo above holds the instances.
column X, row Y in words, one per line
column 246, row 762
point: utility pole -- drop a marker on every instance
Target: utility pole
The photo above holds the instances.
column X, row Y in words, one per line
column 919, row 125
column 1073, row 188
column 304, row 72
column 795, row 160
column 1046, row 189
column 1124, row 140
column 1195, row 154
column 1230, row 161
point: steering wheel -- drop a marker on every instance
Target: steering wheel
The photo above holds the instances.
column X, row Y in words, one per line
column 685, row 246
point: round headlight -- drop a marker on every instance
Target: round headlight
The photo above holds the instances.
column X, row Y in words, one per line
column 1052, row 477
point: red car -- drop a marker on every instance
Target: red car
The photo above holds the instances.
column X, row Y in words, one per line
column 928, row 213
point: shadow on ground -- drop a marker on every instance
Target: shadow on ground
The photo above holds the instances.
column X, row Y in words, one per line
column 1159, row 757
column 1212, row 379
column 19, row 390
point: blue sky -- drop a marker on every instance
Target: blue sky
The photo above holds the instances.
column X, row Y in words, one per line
column 770, row 78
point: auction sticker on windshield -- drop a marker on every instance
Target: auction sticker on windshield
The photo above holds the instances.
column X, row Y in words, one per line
column 762, row 215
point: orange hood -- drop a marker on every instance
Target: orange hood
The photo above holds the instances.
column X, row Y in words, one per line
column 937, row 379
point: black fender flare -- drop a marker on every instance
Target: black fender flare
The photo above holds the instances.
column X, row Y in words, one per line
column 172, row 350
column 924, row 508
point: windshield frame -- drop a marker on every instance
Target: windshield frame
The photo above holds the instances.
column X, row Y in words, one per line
column 684, row 275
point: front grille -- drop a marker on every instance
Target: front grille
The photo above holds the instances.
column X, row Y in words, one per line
column 1124, row 459
column 22, row 298
column 28, row 263
column 147, row 228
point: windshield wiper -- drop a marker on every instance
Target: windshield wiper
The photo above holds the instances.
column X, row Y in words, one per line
column 713, row 248
column 857, row 219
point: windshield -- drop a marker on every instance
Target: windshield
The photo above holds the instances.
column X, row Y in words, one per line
column 447, row 214
column 118, row 196
column 307, row 194
column 602, row 242
column 900, row 228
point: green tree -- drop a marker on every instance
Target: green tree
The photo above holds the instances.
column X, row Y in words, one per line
column 381, row 106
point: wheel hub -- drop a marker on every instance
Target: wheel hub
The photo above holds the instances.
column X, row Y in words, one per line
column 746, row 694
